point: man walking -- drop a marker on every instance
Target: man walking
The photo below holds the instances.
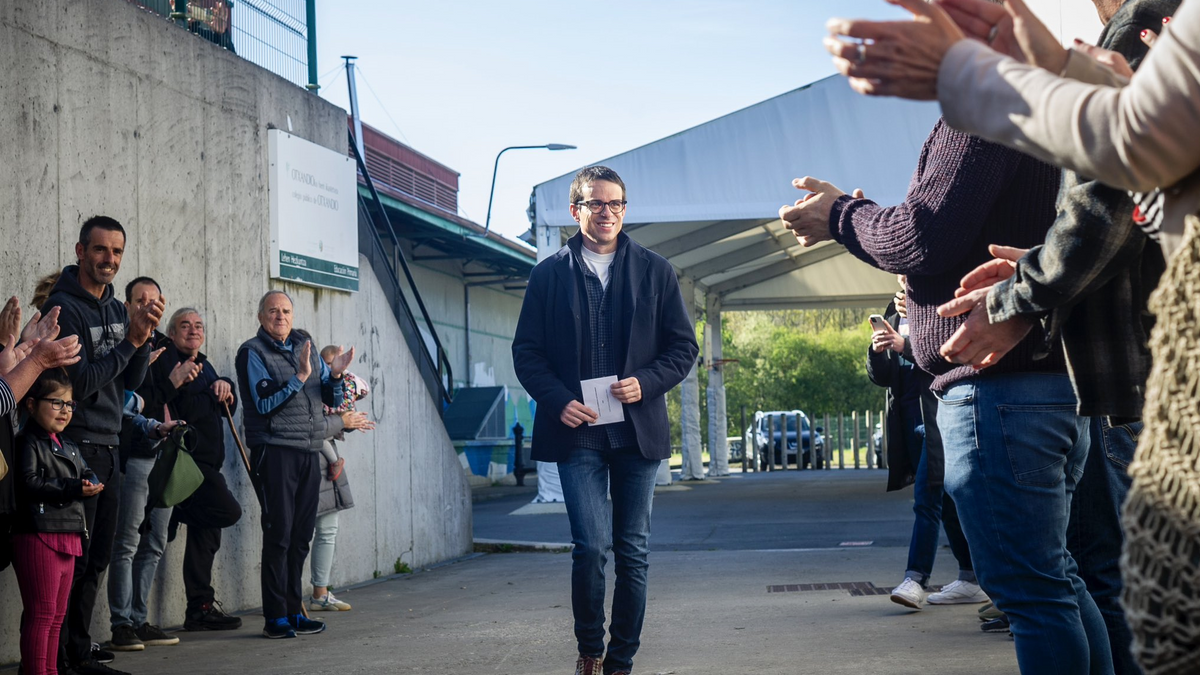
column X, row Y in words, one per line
column 606, row 315
column 115, row 355
column 284, row 382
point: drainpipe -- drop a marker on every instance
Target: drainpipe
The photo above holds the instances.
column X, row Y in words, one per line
column 467, row 329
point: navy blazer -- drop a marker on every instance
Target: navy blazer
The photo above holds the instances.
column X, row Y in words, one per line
column 655, row 339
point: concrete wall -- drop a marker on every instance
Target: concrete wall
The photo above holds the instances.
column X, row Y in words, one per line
column 494, row 313
column 108, row 109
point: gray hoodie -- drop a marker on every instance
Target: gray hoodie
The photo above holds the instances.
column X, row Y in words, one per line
column 109, row 363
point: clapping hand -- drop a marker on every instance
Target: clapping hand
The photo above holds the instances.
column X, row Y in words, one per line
column 808, row 218
column 184, row 372
column 10, row 319
column 353, row 419
column 341, row 362
column 304, row 366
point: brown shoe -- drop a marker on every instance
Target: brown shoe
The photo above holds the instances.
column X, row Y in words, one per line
column 589, row 665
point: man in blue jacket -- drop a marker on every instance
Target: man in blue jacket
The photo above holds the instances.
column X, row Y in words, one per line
column 604, row 307
column 284, row 383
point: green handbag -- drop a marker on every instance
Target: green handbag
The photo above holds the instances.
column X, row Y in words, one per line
column 175, row 475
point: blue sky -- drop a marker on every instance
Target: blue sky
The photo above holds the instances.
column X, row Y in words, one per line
column 463, row 79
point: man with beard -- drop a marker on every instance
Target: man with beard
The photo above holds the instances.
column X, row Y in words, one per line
column 114, row 356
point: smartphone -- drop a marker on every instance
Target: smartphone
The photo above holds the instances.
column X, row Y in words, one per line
column 877, row 322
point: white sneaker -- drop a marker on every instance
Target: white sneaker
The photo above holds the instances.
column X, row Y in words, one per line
column 909, row 593
column 327, row 603
column 958, row 592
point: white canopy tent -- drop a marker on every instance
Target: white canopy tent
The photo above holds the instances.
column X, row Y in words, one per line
column 707, row 199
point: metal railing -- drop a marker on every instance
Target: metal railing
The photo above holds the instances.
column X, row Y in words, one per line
column 849, row 442
column 375, row 237
column 279, row 35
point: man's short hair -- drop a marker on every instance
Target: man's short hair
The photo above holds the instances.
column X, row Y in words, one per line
column 262, row 303
column 589, row 175
column 179, row 314
column 101, row 222
column 140, row 280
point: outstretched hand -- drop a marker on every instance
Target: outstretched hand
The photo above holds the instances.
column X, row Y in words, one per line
column 341, row 362
column 808, row 218
column 894, row 58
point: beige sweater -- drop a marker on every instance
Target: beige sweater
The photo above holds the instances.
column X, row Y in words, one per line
column 1139, row 137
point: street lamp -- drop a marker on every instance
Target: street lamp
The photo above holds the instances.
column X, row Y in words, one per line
column 487, row 225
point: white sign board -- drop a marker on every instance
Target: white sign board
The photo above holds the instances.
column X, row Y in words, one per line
column 314, row 213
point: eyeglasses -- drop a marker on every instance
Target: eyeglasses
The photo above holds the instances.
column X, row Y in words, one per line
column 58, row 403
column 596, row 206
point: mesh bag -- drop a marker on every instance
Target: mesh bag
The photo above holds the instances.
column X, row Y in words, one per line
column 1161, row 519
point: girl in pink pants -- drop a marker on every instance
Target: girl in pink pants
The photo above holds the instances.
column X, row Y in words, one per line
column 52, row 480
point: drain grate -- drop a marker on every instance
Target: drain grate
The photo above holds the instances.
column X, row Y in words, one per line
column 856, row 588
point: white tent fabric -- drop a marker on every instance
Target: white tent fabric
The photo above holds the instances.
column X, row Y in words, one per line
column 707, row 198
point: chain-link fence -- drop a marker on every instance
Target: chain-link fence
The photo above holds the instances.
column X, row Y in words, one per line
column 275, row 34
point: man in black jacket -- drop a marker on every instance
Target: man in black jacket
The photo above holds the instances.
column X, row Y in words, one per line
column 115, row 353
column 604, row 315
column 202, row 401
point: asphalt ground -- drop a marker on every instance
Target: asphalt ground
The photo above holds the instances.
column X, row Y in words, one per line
column 729, row 561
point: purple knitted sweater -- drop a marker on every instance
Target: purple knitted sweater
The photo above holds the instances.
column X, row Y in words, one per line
column 965, row 194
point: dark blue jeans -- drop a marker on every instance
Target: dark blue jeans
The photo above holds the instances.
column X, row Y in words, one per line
column 1015, row 449
column 1094, row 533
column 597, row 525
column 933, row 507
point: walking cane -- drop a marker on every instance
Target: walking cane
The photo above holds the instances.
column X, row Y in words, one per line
column 246, row 462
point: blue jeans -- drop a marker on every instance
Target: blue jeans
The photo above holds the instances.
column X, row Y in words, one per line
column 588, row 478
column 324, row 541
column 1094, row 534
column 1015, row 449
column 135, row 557
column 934, row 509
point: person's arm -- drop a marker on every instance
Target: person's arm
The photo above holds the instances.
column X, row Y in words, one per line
column 945, row 210
column 879, row 364
column 267, row 394
column 1134, row 137
column 331, row 387
column 88, row 376
column 676, row 339
column 530, row 348
column 1092, row 240
column 8, row 402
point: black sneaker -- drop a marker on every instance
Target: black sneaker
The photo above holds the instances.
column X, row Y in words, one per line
column 278, row 629
column 211, row 617
column 151, row 635
column 101, row 655
column 94, row 667
column 306, row 626
column 125, row 639
column 995, row 625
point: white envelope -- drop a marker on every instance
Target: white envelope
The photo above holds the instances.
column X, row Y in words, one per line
column 598, row 397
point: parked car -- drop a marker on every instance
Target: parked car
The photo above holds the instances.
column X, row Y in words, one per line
column 809, row 436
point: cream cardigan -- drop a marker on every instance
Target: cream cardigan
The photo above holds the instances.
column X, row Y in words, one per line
column 1138, row 137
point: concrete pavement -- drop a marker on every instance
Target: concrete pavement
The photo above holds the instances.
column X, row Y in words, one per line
column 724, row 554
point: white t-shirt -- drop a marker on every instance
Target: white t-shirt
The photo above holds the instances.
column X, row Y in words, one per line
column 598, row 263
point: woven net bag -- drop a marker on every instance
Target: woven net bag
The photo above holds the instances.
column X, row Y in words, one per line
column 1161, row 560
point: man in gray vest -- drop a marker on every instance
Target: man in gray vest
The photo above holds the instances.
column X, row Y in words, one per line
column 285, row 429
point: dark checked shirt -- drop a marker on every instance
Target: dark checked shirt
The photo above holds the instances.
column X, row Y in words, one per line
column 600, row 360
